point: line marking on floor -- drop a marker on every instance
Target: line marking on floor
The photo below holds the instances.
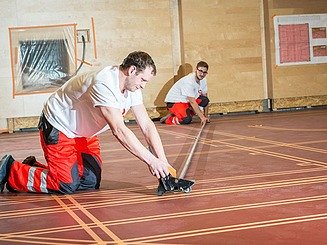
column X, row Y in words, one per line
column 78, row 219
column 95, row 220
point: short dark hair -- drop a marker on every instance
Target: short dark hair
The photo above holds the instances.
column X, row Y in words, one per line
column 141, row 60
column 202, row 64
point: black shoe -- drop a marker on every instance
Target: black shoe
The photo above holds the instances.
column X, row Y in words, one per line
column 31, row 161
column 10, row 189
column 5, row 165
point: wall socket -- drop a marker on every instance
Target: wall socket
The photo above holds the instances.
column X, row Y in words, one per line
column 85, row 33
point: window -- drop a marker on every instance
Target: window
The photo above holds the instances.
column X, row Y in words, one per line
column 42, row 57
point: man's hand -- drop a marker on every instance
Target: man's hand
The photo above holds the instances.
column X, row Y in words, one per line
column 204, row 119
column 159, row 168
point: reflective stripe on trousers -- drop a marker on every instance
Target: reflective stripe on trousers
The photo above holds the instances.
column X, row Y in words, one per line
column 42, row 180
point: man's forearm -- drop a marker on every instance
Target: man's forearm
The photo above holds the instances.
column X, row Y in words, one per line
column 153, row 139
column 124, row 135
column 196, row 109
column 128, row 139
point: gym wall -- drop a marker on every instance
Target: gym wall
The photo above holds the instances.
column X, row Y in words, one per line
column 236, row 38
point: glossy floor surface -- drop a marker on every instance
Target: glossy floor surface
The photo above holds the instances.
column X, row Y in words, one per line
column 260, row 179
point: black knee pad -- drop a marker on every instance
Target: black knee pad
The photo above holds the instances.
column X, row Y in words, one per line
column 204, row 101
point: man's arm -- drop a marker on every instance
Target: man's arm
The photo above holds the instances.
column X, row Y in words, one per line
column 127, row 138
column 206, row 109
column 196, row 109
column 149, row 131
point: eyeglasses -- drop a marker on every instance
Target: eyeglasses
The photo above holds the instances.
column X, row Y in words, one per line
column 202, row 71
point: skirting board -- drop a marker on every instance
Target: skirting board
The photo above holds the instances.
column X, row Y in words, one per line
column 18, row 123
column 295, row 102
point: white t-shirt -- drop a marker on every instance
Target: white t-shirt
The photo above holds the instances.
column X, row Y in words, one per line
column 73, row 108
column 186, row 87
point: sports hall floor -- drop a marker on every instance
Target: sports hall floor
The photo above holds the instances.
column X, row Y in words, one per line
column 260, row 179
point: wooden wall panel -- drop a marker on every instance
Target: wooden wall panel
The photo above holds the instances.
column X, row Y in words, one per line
column 227, row 35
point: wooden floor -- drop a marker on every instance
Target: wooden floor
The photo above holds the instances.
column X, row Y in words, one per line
column 260, row 179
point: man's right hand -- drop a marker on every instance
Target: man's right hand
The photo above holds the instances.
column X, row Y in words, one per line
column 204, row 119
column 159, row 168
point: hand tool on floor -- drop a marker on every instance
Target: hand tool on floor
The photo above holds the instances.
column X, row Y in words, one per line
column 173, row 184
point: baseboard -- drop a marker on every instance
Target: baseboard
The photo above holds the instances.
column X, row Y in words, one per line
column 299, row 102
column 21, row 123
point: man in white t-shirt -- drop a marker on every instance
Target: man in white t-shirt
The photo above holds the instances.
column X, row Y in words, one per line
column 188, row 97
column 74, row 115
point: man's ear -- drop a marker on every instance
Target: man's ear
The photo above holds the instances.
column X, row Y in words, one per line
column 131, row 70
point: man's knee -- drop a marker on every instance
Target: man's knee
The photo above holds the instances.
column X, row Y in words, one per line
column 69, row 188
column 92, row 172
column 203, row 101
column 89, row 181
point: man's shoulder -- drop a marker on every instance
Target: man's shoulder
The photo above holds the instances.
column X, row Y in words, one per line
column 189, row 78
column 107, row 70
column 108, row 74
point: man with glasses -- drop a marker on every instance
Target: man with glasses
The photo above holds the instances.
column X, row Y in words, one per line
column 188, row 97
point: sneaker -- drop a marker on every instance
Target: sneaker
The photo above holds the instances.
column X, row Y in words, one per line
column 31, row 161
column 10, row 189
column 163, row 119
column 5, row 165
